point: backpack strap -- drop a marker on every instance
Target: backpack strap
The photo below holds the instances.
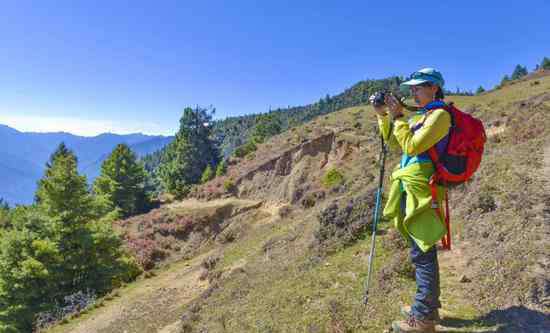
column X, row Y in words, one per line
column 435, row 179
column 446, row 240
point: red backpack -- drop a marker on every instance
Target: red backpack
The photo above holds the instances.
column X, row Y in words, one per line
column 460, row 159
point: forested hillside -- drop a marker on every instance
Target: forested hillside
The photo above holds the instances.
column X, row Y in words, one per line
column 248, row 130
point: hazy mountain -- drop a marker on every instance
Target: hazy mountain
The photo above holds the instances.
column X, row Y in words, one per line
column 23, row 156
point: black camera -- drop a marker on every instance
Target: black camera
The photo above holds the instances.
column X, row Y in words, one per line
column 378, row 99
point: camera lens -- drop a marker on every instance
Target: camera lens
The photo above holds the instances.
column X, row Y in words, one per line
column 378, row 99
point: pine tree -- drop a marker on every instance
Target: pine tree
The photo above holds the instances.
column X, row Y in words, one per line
column 504, row 80
column 207, row 175
column 267, row 126
column 221, row 169
column 4, row 213
column 4, row 204
column 480, row 90
column 545, row 64
column 56, row 248
column 61, row 150
column 191, row 151
column 122, row 182
column 62, row 192
column 30, row 264
column 519, row 72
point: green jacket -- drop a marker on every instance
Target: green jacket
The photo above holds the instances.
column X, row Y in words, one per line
column 420, row 222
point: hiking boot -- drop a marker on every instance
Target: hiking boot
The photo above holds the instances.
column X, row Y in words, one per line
column 413, row 325
column 406, row 311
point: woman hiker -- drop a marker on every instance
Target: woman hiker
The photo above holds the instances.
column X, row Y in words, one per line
column 410, row 201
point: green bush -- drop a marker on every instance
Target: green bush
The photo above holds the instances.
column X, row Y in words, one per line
column 221, row 169
column 245, row 149
column 229, row 185
column 207, row 175
column 332, row 178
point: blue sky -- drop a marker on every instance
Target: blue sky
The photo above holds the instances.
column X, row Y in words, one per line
column 129, row 66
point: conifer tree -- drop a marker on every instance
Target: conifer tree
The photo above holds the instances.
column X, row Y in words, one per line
column 221, row 168
column 63, row 193
column 519, row 72
column 122, row 182
column 191, row 151
column 56, row 248
column 207, row 175
column 504, row 80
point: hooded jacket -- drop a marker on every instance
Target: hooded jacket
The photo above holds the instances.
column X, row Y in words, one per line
column 414, row 136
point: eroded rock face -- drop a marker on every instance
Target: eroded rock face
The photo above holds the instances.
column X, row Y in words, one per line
column 285, row 177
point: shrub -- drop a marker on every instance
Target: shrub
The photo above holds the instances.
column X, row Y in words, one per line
column 146, row 251
column 73, row 305
column 398, row 266
column 207, row 175
column 245, row 149
column 227, row 236
column 229, row 185
column 332, row 178
column 309, row 201
column 221, row 169
column 486, row 202
column 210, row 262
column 344, row 222
column 155, row 236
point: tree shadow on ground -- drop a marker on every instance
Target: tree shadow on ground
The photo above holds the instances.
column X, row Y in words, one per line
column 516, row 319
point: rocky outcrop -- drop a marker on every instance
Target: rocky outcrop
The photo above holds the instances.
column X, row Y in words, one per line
column 282, row 164
column 284, row 178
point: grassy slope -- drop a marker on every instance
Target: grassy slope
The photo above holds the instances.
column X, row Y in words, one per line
column 283, row 285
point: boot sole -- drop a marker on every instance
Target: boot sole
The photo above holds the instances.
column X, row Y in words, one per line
column 406, row 314
column 396, row 329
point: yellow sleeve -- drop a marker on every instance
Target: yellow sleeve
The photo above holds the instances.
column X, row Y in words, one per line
column 435, row 127
column 384, row 125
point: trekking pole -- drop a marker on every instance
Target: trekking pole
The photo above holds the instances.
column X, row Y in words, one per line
column 382, row 161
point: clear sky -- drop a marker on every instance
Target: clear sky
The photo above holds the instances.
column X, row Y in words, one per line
column 130, row 66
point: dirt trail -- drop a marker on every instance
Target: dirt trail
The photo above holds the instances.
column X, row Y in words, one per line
column 197, row 204
column 455, row 300
column 147, row 305
column 156, row 304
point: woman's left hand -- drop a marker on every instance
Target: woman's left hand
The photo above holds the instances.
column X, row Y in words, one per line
column 394, row 106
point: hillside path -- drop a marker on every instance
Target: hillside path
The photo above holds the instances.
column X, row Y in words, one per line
column 157, row 303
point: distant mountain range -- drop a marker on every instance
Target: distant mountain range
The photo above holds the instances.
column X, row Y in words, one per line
column 23, row 156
